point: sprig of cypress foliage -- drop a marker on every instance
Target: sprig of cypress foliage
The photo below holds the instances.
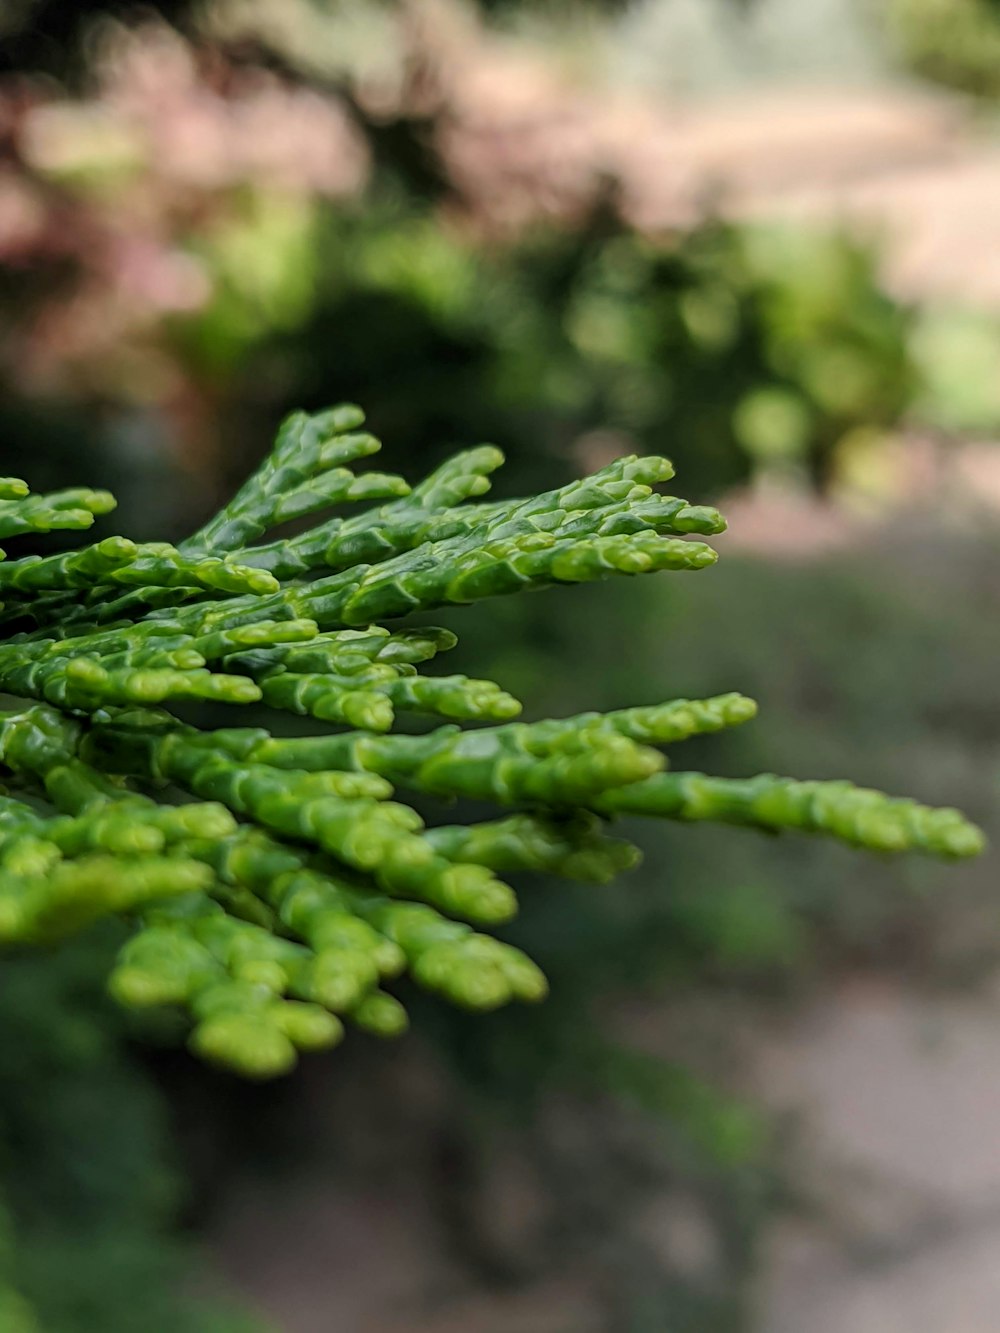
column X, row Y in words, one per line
column 275, row 885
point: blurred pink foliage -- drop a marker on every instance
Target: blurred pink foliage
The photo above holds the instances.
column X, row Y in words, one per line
column 108, row 193
column 187, row 171
column 117, row 191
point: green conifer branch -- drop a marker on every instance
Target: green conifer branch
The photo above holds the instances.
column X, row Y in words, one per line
column 855, row 815
column 22, row 512
column 275, row 885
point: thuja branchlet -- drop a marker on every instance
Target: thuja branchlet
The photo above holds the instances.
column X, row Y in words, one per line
column 273, row 887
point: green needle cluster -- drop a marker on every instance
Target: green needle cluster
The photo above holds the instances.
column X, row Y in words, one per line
column 275, row 886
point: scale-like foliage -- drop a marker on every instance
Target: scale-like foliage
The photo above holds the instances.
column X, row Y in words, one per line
column 274, row 884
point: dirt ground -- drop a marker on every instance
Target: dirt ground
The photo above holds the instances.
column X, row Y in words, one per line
column 891, row 1100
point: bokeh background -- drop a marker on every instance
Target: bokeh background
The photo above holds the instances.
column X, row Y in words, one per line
column 761, row 236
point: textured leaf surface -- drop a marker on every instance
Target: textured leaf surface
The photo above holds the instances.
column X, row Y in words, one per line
column 275, row 885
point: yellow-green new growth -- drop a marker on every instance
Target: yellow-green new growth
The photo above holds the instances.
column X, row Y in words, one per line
column 275, row 885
